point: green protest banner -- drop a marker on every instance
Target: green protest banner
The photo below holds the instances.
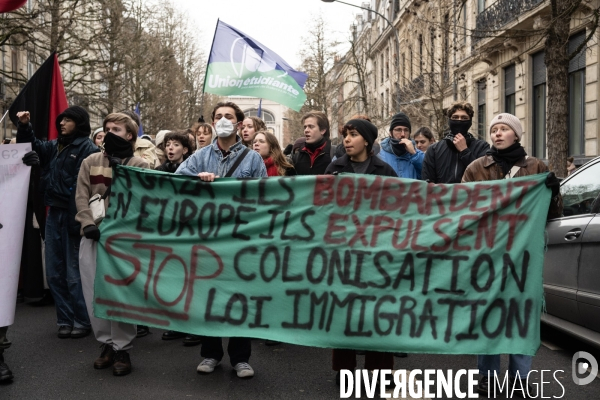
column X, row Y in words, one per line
column 347, row 261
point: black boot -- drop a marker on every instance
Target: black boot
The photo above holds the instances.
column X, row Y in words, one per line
column 5, row 372
column 172, row 335
column 142, row 330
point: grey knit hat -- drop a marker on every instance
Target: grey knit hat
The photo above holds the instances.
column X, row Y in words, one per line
column 510, row 120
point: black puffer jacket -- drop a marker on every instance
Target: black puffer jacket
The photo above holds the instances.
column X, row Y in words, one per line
column 60, row 169
column 376, row 167
column 443, row 164
column 301, row 161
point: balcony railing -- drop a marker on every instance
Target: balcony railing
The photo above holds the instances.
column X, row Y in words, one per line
column 499, row 14
column 413, row 90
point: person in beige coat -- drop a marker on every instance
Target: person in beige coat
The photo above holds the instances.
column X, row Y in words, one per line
column 146, row 150
column 95, row 177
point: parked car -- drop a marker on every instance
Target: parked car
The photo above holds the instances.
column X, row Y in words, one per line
column 572, row 262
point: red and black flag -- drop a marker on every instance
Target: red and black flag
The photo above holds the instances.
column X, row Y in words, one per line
column 11, row 5
column 44, row 97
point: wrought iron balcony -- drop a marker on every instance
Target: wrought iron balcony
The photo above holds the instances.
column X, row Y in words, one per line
column 499, row 14
column 413, row 90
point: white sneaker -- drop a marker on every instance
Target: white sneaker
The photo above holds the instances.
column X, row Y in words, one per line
column 244, row 370
column 207, row 365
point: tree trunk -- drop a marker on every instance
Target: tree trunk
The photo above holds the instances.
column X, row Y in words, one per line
column 557, row 68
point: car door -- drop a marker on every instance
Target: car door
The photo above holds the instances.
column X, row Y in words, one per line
column 565, row 239
column 588, row 293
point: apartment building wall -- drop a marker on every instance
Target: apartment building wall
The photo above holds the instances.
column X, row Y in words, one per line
column 471, row 68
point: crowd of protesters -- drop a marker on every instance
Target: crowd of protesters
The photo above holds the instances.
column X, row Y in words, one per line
column 77, row 167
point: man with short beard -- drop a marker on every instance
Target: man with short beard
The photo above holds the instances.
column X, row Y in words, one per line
column 446, row 161
column 60, row 160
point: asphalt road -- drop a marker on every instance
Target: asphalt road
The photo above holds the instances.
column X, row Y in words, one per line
column 46, row 367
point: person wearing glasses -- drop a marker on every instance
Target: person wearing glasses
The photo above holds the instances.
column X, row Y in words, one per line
column 447, row 160
column 400, row 151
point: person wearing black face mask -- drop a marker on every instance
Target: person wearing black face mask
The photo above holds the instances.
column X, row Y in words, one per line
column 446, row 160
column 95, row 178
column 400, row 151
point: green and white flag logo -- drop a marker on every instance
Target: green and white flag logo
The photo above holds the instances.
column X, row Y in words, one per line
column 239, row 65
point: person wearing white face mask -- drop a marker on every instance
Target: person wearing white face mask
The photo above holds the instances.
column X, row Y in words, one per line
column 227, row 156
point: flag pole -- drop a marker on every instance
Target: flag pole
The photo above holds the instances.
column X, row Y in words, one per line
column 4, row 116
column 201, row 119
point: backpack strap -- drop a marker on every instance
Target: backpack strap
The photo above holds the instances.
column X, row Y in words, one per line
column 237, row 162
column 513, row 171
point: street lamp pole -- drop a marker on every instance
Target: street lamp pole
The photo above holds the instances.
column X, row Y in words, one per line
column 393, row 30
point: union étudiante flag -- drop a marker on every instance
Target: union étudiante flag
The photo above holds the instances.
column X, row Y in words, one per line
column 240, row 65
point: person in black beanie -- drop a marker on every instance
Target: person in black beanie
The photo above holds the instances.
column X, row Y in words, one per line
column 60, row 160
column 400, row 151
column 359, row 137
column 446, row 160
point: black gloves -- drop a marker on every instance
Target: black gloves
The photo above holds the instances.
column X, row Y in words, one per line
column 30, row 159
column 92, row 232
column 553, row 184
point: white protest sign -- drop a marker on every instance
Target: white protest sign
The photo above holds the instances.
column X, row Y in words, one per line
column 14, row 185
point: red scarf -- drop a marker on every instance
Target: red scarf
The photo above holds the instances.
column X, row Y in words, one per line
column 313, row 154
column 271, row 167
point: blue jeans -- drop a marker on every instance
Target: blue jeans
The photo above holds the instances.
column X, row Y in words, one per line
column 62, row 270
column 516, row 363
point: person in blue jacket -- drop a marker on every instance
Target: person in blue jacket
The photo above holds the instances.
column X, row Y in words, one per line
column 400, row 151
column 227, row 156
column 60, row 160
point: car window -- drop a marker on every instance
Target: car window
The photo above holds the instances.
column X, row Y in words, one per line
column 579, row 192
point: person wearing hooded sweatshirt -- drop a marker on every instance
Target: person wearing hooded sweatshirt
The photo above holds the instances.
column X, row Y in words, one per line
column 359, row 136
column 60, row 160
column 400, row 151
column 446, row 160
column 95, row 177
column 507, row 159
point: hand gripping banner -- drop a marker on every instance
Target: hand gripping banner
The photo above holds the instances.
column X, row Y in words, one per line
column 349, row 261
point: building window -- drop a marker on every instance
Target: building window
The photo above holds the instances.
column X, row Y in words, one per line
column 577, row 96
column 375, row 73
column 480, row 6
column 387, row 64
column 403, row 68
column 387, row 97
column 15, row 66
column 411, row 64
column 267, row 116
column 446, row 49
column 464, row 22
column 421, row 63
column 509, row 89
column 538, row 144
column 481, row 111
column 382, row 106
column 382, row 65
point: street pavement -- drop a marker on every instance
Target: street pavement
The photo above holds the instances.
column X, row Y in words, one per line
column 46, row 367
